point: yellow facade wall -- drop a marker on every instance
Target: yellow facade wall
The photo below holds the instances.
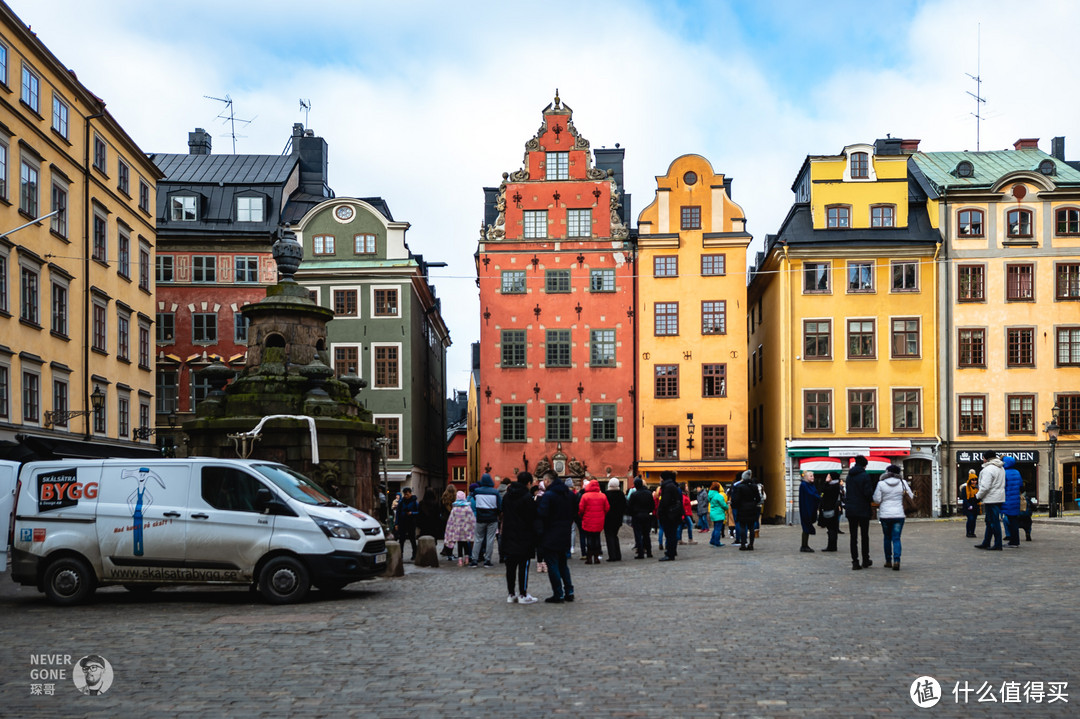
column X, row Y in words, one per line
column 690, row 182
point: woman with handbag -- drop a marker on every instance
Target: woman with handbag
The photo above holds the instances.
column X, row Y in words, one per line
column 889, row 496
column 830, row 510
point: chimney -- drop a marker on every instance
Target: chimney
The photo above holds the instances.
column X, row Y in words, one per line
column 1026, row 143
column 909, row 147
column 313, row 161
column 1057, row 148
column 198, row 142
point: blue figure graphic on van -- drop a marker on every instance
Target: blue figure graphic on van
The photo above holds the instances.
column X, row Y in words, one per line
column 139, row 500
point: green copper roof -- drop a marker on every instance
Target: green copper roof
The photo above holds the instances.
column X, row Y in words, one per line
column 988, row 167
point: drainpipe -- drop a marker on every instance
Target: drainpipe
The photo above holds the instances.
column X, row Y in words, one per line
column 946, row 301
column 785, row 360
column 937, row 436
column 635, row 323
column 87, row 308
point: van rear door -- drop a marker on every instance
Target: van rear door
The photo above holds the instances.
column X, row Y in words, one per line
column 142, row 520
column 9, row 472
column 227, row 535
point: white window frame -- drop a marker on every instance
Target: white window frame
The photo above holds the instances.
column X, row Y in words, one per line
column 246, row 209
column 204, row 270
column 61, row 114
column 183, row 208
column 401, row 432
column 347, row 288
column 401, row 363
column 359, row 355
column 33, row 101
column 532, row 222
column 579, row 222
column 247, row 260
column 371, row 299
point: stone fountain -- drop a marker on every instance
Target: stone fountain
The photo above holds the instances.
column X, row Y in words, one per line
column 314, row 422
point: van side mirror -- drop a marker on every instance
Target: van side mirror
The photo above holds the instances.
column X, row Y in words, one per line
column 263, row 497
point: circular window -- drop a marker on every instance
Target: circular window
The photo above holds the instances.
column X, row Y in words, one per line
column 1047, row 167
column 1019, row 192
column 344, row 213
column 965, row 169
column 690, row 178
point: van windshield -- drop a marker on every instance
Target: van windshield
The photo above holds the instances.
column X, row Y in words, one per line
column 295, row 485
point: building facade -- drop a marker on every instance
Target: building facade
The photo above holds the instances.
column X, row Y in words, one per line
column 1009, row 292
column 76, row 259
column 388, row 329
column 216, row 218
column 842, row 321
column 555, row 273
column 691, row 367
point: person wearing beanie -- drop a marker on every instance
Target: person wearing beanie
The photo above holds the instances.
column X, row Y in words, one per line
column 613, row 520
column 461, row 528
column 969, row 502
column 519, row 538
column 487, row 503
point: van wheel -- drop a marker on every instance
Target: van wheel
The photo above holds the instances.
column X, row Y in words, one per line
column 68, row 581
column 284, row 580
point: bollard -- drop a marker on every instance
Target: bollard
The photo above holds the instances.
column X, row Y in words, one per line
column 394, row 565
column 427, row 554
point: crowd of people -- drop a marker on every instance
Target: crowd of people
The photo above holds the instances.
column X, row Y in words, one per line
column 543, row 519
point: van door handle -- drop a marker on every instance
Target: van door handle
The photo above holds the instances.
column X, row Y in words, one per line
column 171, row 514
column 200, row 515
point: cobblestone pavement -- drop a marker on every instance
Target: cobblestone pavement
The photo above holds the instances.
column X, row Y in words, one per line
column 717, row 633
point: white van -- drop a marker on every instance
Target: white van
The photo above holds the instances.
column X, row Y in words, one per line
column 80, row 524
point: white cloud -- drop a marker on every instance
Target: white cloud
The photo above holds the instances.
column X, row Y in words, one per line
column 426, row 103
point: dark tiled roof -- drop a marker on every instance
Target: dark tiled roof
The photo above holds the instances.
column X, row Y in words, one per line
column 230, row 169
column 798, row 229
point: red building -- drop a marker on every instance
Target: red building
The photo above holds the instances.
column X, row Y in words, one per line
column 556, row 271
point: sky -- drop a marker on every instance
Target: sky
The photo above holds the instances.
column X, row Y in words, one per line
column 424, row 103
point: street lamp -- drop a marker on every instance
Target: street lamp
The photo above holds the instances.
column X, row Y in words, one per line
column 97, row 402
column 1052, row 431
column 690, row 430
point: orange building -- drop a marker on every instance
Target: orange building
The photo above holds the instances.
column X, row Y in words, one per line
column 555, row 271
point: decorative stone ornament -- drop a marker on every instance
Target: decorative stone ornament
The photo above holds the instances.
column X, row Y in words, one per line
column 287, row 254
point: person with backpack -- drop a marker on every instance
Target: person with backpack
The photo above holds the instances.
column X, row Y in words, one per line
column 746, row 498
column 487, row 504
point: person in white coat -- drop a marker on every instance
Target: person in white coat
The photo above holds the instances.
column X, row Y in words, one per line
column 992, row 495
column 889, row 496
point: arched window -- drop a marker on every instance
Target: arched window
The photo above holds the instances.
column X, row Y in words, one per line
column 1067, row 221
column 969, row 223
column 1019, row 223
column 860, row 165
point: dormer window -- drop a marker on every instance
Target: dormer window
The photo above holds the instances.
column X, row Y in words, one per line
column 250, row 209
column 883, row 216
column 182, row 208
column 964, row 169
column 1047, row 167
column 1019, row 223
column 860, row 166
column 838, row 216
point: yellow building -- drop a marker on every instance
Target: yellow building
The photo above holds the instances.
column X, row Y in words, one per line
column 1010, row 298
column 842, row 328
column 76, row 262
column 691, row 339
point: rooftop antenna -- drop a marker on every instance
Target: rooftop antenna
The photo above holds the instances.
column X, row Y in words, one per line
column 230, row 118
column 977, row 77
column 305, row 105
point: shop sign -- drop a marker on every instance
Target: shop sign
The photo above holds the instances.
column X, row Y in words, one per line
column 1027, row 456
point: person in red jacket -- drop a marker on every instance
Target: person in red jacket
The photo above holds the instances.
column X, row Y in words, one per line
column 688, row 521
column 592, row 509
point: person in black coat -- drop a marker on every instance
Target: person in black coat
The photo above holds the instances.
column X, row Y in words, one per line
column 745, row 500
column 830, row 510
column 641, row 507
column 519, row 537
column 429, row 521
column 556, row 513
column 670, row 513
column 407, row 510
column 614, row 518
column 860, row 492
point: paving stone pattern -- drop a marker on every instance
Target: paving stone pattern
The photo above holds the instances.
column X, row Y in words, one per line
column 718, row 633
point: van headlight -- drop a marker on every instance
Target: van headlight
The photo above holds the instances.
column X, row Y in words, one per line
column 335, row 529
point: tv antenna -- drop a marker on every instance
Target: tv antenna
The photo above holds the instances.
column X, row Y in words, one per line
column 230, row 117
column 305, row 105
column 979, row 99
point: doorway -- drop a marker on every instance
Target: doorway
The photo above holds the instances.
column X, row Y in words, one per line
column 918, row 474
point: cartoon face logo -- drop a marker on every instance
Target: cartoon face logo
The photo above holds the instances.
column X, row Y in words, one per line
column 139, row 500
column 92, row 675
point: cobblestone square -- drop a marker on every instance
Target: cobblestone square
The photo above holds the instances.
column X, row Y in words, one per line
column 717, row 633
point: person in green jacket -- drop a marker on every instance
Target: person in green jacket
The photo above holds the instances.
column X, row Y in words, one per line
column 717, row 513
